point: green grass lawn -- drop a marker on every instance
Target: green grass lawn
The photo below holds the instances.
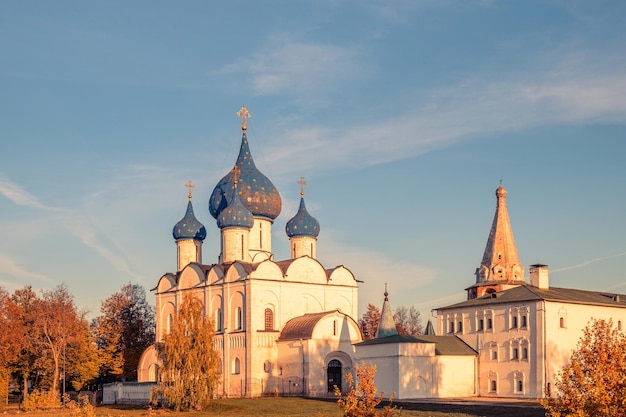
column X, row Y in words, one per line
column 269, row 407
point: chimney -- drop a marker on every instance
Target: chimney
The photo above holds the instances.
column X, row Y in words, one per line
column 539, row 276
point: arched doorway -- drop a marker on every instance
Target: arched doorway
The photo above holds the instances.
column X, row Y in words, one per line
column 334, row 375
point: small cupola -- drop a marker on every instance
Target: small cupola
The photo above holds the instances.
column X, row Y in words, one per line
column 189, row 234
column 302, row 230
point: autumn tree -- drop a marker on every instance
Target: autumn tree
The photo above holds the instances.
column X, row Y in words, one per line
column 54, row 336
column 189, row 372
column 123, row 331
column 361, row 400
column 408, row 321
column 11, row 339
column 369, row 322
column 594, row 381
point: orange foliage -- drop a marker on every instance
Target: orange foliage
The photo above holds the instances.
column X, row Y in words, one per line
column 594, row 382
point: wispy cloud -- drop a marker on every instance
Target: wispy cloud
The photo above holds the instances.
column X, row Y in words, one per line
column 20, row 196
column 572, row 93
column 11, row 267
column 589, row 262
column 295, row 67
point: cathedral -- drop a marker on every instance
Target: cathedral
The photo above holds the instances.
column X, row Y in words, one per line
column 282, row 327
column 287, row 327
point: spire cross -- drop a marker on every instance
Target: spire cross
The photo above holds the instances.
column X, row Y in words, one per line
column 245, row 115
column 236, row 171
column 302, row 183
column 190, row 187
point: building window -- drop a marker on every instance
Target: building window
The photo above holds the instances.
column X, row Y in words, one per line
column 481, row 325
column 238, row 319
column 493, row 386
column 524, row 321
column 619, row 325
column 267, row 367
column 489, row 324
column 218, row 319
column 519, row 382
column 562, row 322
column 525, row 353
column 236, row 367
column 334, row 327
column 515, row 354
column 170, row 321
column 269, row 319
column 451, row 329
column 514, row 322
column 460, row 327
column 494, row 352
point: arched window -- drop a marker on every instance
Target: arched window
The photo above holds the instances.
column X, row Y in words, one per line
column 170, row 321
column 236, row 367
column 269, row 319
column 238, row 319
column 218, row 319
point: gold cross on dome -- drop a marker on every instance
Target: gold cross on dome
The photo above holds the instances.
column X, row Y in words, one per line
column 236, row 171
column 245, row 115
column 302, row 183
column 190, row 187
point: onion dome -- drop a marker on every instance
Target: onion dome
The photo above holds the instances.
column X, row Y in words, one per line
column 303, row 224
column 255, row 189
column 235, row 214
column 189, row 227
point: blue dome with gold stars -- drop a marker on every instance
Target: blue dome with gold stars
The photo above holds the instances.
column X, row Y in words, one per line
column 303, row 224
column 189, row 227
column 236, row 214
column 256, row 191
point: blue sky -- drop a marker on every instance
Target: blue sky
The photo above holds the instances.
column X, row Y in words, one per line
column 403, row 116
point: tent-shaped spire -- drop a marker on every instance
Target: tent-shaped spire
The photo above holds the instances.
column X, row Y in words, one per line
column 430, row 329
column 386, row 325
column 500, row 261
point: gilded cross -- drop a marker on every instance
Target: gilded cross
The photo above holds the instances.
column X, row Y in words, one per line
column 236, row 171
column 190, row 187
column 245, row 115
column 302, row 183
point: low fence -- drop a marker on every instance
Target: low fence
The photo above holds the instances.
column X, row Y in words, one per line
column 127, row 392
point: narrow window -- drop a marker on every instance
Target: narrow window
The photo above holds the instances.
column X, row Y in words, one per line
column 515, row 353
column 236, row 367
column 294, row 251
column 524, row 321
column 562, row 322
column 525, row 353
column 494, row 354
column 242, row 251
column 238, row 319
column 460, row 328
column 514, row 324
column 619, row 325
column 170, row 321
column 494, row 386
column 451, row 330
column 520, row 386
column 218, row 319
column 489, row 324
column 481, row 325
column 334, row 327
column 269, row 319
